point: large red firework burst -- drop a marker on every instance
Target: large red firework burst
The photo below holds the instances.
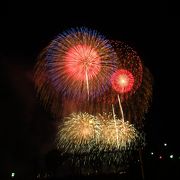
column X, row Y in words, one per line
column 76, row 65
column 79, row 64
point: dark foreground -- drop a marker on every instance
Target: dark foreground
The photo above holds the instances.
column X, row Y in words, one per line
column 152, row 169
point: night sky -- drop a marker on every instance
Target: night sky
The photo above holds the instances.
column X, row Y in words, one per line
column 27, row 130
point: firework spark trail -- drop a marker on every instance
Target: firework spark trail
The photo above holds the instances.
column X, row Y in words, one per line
column 120, row 106
column 114, row 118
column 87, row 83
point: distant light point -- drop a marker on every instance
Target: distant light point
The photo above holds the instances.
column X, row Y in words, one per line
column 12, row 174
column 152, row 153
column 171, row 156
column 165, row 144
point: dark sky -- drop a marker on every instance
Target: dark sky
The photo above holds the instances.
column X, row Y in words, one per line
column 26, row 129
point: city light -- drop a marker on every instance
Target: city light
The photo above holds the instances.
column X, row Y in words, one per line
column 152, row 153
column 171, row 156
column 165, row 144
column 12, row 174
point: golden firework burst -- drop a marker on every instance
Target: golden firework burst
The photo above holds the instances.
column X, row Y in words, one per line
column 78, row 133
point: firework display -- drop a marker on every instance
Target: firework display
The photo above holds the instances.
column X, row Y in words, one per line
column 99, row 90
